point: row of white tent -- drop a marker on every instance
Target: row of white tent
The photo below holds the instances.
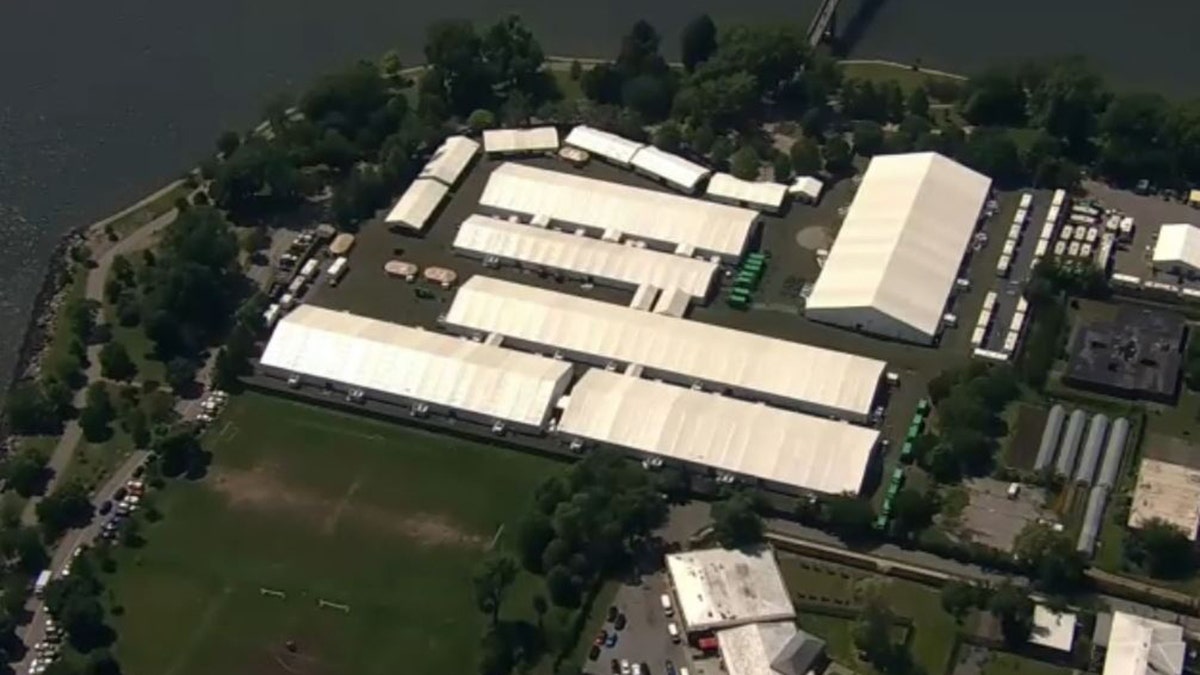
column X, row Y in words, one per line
column 439, row 175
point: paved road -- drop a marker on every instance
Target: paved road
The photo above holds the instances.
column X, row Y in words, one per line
column 72, row 434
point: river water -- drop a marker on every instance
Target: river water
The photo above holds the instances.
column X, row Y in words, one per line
column 104, row 101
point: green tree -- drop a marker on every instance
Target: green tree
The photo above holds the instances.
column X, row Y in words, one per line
column 782, row 168
column 736, row 522
column 25, row 472
column 849, row 516
column 959, row 597
column 180, row 373
column 836, row 155
column 994, row 97
column 913, row 510
column 994, row 153
column 534, row 534
column 514, row 58
column 744, row 163
column 576, row 71
column 918, row 102
column 29, row 411
column 178, row 452
column 115, row 363
column 806, row 157
column 562, row 587
column 1162, row 549
column 66, row 507
column 228, row 142
column 868, row 138
column 1013, row 608
column 699, row 42
column 1051, row 558
column 668, row 136
column 461, row 78
column 722, row 148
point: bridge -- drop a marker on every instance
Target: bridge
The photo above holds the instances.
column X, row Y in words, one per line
column 823, row 23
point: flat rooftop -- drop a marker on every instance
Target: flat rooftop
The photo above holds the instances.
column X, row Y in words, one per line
column 1055, row 630
column 1138, row 355
column 1141, row 646
column 1168, row 492
column 720, row 588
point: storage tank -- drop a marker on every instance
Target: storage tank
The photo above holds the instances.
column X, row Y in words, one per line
column 1050, row 437
column 1070, row 443
column 1113, row 451
column 1090, row 530
column 1093, row 444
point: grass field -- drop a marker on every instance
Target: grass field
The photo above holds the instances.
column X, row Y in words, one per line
column 318, row 505
column 879, row 72
column 1001, row 663
column 131, row 219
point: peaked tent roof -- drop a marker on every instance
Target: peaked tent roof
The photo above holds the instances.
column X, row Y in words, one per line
column 1178, row 243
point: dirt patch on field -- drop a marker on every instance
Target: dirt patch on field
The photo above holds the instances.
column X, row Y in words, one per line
column 813, row 237
column 261, row 489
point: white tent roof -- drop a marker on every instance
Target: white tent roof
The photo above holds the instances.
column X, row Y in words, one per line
column 669, row 167
column 815, row 379
column 584, row 255
column 537, row 139
column 766, row 195
column 748, row 439
column 416, row 364
column 717, row 588
column 1141, row 646
column 903, row 239
column 808, row 186
column 751, row 649
column 645, row 214
column 417, row 204
column 602, row 143
column 1052, row 629
column 1178, row 244
column 450, row 159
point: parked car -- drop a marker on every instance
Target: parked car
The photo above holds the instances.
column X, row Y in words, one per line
column 625, row 669
column 612, row 639
column 601, row 637
column 616, row 667
column 594, row 652
column 612, row 613
column 105, row 507
column 670, row 667
column 620, row 622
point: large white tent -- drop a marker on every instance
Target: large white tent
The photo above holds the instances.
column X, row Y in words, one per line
column 1138, row 645
column 520, row 141
column 794, row 375
column 417, row 204
column 1178, row 248
column 584, row 256
column 787, row 450
column 667, row 219
column 399, row 364
column 449, row 161
column 895, row 259
column 612, row 147
column 763, row 196
column 672, row 169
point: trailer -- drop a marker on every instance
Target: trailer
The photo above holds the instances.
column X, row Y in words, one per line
column 309, row 270
column 337, row 269
column 42, row 581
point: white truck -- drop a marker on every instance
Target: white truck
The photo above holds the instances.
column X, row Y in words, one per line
column 42, row 581
column 337, row 269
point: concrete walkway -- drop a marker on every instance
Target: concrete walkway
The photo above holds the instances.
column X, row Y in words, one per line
column 72, row 434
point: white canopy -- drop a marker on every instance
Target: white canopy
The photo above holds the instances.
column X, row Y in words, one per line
column 510, row 141
column 822, row 381
column 896, row 257
column 609, row 146
column 1141, row 646
column 414, row 364
column 768, row 196
column 808, row 187
column 600, row 205
column 585, row 256
column 676, row 170
column 450, row 160
column 1178, row 245
column 748, row 439
column 417, row 204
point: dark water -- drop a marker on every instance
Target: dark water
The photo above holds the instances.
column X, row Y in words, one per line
column 104, row 101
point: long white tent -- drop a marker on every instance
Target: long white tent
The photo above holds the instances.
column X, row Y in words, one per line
column 401, row 364
column 789, row 450
column 672, row 169
column 764, row 196
column 449, row 161
column 585, row 256
column 812, row 379
column 520, row 141
column 612, row 147
column 1178, row 248
column 895, row 259
column 602, row 206
column 417, row 204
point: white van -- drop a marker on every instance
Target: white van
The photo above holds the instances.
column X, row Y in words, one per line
column 673, row 631
column 665, row 599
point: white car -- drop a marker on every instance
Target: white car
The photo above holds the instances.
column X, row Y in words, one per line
column 625, row 669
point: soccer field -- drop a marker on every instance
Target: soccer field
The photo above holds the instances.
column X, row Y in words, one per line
column 319, row 505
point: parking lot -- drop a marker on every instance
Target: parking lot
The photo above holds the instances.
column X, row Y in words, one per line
column 993, row 518
column 1149, row 214
column 644, row 638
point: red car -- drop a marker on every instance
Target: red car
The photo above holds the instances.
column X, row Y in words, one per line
column 600, row 638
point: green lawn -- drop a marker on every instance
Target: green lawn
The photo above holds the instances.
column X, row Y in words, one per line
column 93, row 462
column 319, row 505
column 1002, row 663
column 131, row 219
column 906, row 77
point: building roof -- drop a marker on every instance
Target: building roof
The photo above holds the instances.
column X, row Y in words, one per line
column 417, row 204
column 808, row 186
column 776, row 648
column 721, row 588
column 903, row 239
column 602, row 143
column 727, row 434
column 769, row 196
column 450, row 160
column 672, row 168
column 537, row 139
column 409, row 362
column 637, row 212
column 672, row 302
column 584, row 255
column 1169, row 492
column 1141, row 646
column 815, row 379
column 1139, row 354
column 1055, row 630
column 1178, row 244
